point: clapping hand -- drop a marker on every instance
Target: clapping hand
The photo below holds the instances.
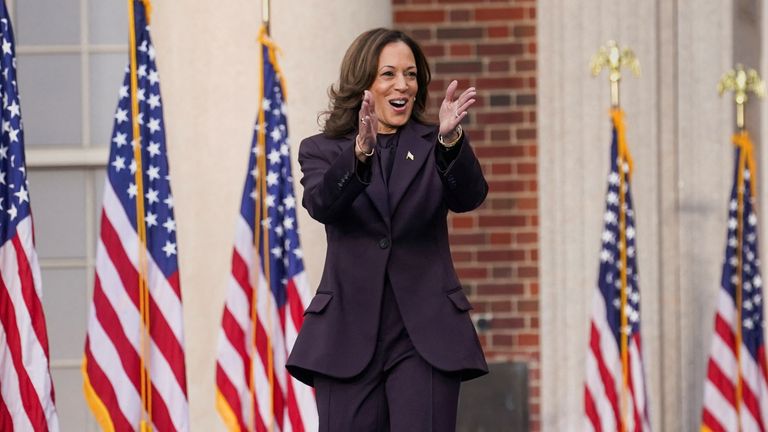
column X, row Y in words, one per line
column 368, row 125
column 452, row 111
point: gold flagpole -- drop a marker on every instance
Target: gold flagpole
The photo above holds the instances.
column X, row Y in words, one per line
column 741, row 81
column 263, row 36
column 144, row 300
column 265, row 15
column 261, row 211
column 613, row 58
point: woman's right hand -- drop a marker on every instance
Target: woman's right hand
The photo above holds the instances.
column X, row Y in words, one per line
column 368, row 125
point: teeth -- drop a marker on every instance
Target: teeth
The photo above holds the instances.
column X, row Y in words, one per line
column 398, row 103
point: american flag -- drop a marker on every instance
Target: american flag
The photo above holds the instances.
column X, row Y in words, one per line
column 736, row 390
column 117, row 347
column 27, row 401
column 267, row 289
column 615, row 397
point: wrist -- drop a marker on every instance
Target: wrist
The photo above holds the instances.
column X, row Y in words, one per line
column 450, row 140
column 361, row 154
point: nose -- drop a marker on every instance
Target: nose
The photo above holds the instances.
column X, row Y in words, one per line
column 401, row 83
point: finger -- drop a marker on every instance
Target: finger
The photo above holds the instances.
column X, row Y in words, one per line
column 366, row 103
column 468, row 90
column 463, row 108
column 365, row 110
column 467, row 94
column 371, row 103
column 372, row 111
column 451, row 90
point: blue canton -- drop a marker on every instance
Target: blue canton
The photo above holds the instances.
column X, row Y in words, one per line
column 14, row 187
column 158, row 201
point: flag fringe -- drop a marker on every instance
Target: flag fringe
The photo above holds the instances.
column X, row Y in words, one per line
column 226, row 412
column 98, row 408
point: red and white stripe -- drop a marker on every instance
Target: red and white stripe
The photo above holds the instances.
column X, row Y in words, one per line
column 27, row 401
column 720, row 387
column 113, row 346
column 292, row 408
column 604, row 380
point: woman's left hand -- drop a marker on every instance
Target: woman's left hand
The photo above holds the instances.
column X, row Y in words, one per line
column 452, row 111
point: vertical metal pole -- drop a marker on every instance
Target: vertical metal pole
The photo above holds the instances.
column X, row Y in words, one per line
column 265, row 14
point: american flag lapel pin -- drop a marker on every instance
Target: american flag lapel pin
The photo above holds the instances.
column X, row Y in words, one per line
column 409, row 156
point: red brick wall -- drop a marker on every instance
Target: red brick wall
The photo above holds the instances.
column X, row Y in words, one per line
column 491, row 44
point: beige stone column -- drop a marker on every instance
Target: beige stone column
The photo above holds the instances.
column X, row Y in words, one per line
column 678, row 132
column 208, row 59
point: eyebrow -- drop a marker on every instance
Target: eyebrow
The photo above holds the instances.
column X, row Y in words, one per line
column 393, row 67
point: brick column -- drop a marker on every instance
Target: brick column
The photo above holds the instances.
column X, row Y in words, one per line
column 492, row 45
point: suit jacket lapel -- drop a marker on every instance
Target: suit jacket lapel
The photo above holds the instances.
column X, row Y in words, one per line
column 413, row 149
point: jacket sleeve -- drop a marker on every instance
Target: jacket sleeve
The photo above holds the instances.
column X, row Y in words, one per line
column 459, row 169
column 331, row 181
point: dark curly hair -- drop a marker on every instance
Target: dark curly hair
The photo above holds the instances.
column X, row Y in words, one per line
column 358, row 71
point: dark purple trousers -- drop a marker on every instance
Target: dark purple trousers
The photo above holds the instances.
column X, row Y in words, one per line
column 397, row 391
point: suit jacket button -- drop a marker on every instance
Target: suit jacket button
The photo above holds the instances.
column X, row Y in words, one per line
column 384, row 243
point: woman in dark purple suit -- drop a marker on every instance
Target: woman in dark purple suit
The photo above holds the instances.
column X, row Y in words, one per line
column 387, row 339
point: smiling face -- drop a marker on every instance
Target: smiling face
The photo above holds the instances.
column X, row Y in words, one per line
column 395, row 86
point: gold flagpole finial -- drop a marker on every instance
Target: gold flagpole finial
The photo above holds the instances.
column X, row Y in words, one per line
column 614, row 58
column 741, row 81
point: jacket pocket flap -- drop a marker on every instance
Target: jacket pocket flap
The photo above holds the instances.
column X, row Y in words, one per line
column 318, row 303
column 460, row 300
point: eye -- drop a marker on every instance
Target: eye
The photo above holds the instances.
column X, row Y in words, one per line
column 411, row 74
column 388, row 73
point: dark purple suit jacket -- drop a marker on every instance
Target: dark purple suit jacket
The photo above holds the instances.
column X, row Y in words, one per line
column 400, row 232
